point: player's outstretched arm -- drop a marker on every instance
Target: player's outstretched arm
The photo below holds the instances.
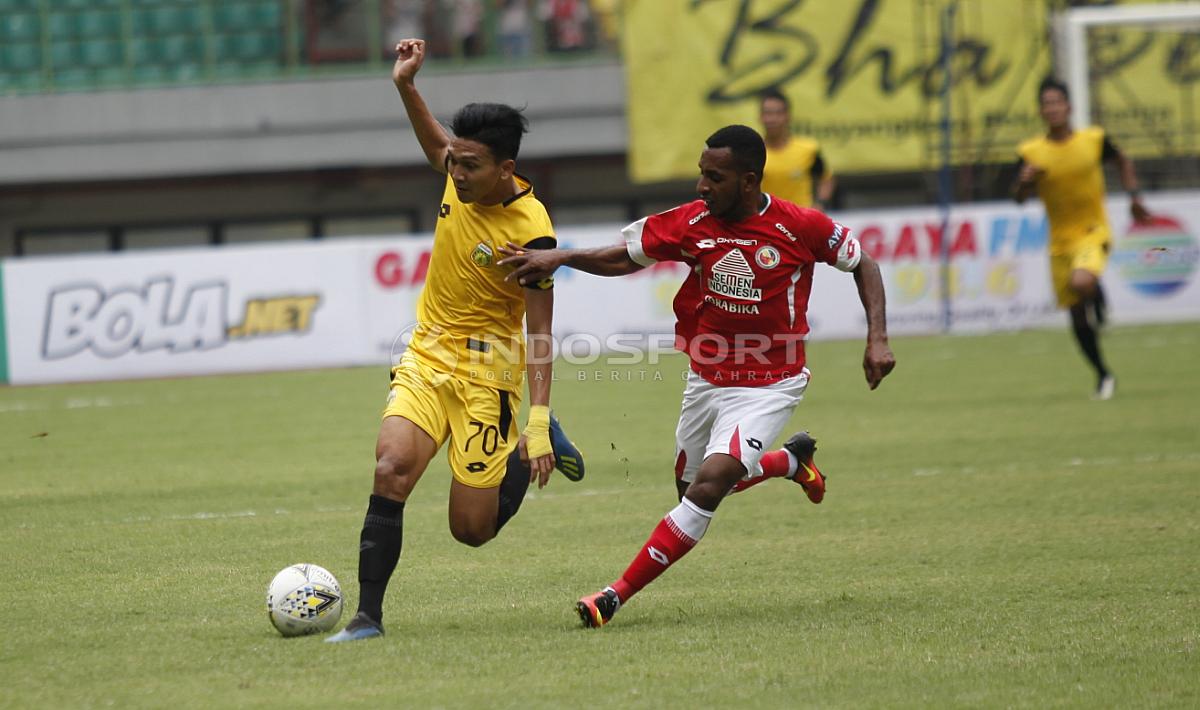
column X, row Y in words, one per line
column 410, row 55
column 878, row 359
column 539, row 312
column 1129, row 182
column 531, row 266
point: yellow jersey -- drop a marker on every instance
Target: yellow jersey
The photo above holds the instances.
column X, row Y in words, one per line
column 1072, row 186
column 469, row 319
column 790, row 170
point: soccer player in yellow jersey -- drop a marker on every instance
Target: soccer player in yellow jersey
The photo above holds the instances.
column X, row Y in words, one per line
column 462, row 375
column 1065, row 168
column 794, row 163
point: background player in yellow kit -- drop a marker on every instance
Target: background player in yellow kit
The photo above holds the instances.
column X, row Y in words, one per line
column 794, row 163
column 1065, row 168
column 461, row 377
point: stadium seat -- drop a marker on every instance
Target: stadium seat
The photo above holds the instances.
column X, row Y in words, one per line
column 269, row 46
column 102, row 53
column 10, row 6
column 28, row 81
column 153, row 74
column 234, row 16
column 269, row 16
column 225, row 69
column 61, row 25
column 145, row 50
column 141, row 21
column 100, row 24
column 186, row 72
column 171, row 20
column 20, row 27
column 112, row 76
column 74, row 78
column 64, row 56
column 88, row 41
column 237, row 47
column 181, row 49
column 23, row 57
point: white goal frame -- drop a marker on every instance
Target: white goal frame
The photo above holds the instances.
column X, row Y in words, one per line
column 1071, row 47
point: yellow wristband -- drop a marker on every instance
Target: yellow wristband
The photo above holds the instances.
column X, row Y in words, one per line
column 537, row 431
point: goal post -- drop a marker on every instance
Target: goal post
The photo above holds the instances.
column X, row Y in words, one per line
column 1071, row 28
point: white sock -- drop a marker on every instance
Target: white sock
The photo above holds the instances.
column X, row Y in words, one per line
column 690, row 519
column 793, row 464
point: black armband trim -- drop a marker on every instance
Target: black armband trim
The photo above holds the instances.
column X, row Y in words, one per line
column 818, row 167
column 542, row 243
column 1109, row 150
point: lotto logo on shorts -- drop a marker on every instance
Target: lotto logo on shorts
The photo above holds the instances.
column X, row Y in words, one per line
column 476, row 466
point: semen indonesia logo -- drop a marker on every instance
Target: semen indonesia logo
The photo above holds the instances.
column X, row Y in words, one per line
column 732, row 277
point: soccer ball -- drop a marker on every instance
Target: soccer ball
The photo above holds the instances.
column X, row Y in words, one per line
column 304, row 599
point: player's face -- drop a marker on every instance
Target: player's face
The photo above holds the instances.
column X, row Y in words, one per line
column 1055, row 109
column 721, row 186
column 774, row 115
column 476, row 174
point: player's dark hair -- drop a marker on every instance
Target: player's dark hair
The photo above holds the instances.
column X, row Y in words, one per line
column 497, row 126
column 772, row 92
column 1051, row 83
column 749, row 151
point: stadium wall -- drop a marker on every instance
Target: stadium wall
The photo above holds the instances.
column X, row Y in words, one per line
column 3, row 335
column 351, row 302
column 579, row 109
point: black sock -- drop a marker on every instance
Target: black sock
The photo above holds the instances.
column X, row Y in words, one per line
column 512, row 489
column 1089, row 343
column 378, row 553
column 1100, row 305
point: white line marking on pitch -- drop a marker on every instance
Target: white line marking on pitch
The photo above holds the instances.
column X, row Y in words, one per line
column 1069, row 463
column 70, row 403
column 21, row 407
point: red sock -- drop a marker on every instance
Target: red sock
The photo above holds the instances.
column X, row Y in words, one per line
column 774, row 464
column 673, row 537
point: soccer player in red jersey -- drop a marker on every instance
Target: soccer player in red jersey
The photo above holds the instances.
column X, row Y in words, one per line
column 742, row 314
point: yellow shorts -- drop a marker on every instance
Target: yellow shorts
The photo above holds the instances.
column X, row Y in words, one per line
column 1089, row 255
column 480, row 421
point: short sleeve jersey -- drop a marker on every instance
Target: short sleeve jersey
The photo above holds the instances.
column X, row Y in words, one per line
column 1072, row 186
column 790, row 170
column 743, row 311
column 469, row 319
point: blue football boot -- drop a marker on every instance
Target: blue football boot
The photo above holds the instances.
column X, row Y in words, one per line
column 360, row 627
column 567, row 457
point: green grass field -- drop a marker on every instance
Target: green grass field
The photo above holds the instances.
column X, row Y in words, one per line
column 991, row 538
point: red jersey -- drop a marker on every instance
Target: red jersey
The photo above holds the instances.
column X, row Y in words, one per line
column 742, row 313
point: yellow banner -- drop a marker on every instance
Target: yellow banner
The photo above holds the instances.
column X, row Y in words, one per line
column 864, row 77
column 1146, row 87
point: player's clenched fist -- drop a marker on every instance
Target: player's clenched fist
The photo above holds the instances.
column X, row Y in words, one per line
column 410, row 55
column 1030, row 173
